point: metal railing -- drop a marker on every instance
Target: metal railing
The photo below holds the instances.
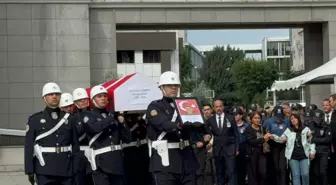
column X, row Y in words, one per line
column 12, row 132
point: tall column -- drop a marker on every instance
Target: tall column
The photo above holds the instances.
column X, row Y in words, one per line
column 329, row 44
column 314, row 57
column 103, row 54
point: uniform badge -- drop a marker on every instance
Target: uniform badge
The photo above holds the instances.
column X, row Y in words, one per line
column 54, row 115
column 281, row 126
column 79, row 123
column 98, row 119
column 86, row 119
column 228, row 124
column 153, row 113
column 329, row 133
column 27, row 128
column 321, row 132
column 104, row 115
column 42, row 121
column 242, row 129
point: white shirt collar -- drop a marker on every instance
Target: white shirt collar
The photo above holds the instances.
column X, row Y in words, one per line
column 222, row 115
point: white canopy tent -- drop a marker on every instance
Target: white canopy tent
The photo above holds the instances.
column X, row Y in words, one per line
column 324, row 74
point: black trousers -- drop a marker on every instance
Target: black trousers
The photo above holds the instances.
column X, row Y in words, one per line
column 241, row 168
column 319, row 166
column 53, row 180
column 167, row 178
column 210, row 172
column 279, row 162
column 101, row 178
column 201, row 157
column 332, row 169
column 257, row 168
column 81, row 178
column 225, row 168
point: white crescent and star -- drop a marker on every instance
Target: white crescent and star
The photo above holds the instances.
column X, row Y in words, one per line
column 181, row 105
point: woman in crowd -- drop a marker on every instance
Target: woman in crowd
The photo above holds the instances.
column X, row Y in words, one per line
column 256, row 141
column 298, row 149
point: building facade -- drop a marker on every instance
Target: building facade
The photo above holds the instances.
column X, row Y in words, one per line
column 253, row 51
column 197, row 60
column 278, row 51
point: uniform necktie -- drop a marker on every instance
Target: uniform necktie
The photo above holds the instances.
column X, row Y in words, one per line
column 328, row 120
column 219, row 123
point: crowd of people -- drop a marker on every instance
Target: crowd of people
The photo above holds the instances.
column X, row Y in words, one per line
column 79, row 139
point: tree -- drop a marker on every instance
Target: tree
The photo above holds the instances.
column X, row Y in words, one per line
column 199, row 92
column 217, row 73
column 187, row 84
column 253, row 78
column 111, row 75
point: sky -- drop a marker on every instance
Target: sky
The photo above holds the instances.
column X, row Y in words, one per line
column 221, row 37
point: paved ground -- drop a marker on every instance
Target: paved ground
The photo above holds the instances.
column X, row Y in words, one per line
column 13, row 178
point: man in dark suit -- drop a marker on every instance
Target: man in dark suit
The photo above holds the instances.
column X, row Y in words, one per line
column 332, row 123
column 225, row 144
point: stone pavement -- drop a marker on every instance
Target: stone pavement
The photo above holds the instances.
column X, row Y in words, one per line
column 13, row 178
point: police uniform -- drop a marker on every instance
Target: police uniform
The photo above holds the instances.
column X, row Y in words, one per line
column 82, row 170
column 182, row 162
column 201, row 153
column 136, row 152
column 277, row 125
column 322, row 140
column 241, row 158
column 57, row 149
column 51, row 142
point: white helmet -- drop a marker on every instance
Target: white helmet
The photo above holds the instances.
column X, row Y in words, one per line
column 66, row 100
column 97, row 90
column 79, row 93
column 169, row 78
column 50, row 88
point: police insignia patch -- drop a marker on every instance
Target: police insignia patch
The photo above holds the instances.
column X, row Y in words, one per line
column 54, row 115
column 27, row 128
column 153, row 113
column 42, row 121
column 98, row 119
column 86, row 119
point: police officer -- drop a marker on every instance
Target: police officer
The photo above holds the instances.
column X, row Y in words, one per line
column 106, row 136
column 322, row 139
column 312, row 107
column 172, row 158
column 82, row 170
column 136, row 152
column 67, row 104
column 199, row 145
column 308, row 119
column 277, row 125
column 241, row 157
column 52, row 140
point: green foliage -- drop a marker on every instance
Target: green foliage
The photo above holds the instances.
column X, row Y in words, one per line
column 111, row 75
column 185, row 71
column 252, row 78
column 217, row 73
column 199, row 92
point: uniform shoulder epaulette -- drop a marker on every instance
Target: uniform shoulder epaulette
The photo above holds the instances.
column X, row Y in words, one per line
column 35, row 114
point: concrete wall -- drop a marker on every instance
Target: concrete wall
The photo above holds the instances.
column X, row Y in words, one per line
column 38, row 44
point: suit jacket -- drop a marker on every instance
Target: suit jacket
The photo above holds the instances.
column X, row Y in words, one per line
column 225, row 141
column 333, row 128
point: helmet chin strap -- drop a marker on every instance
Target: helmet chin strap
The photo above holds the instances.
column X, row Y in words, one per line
column 53, row 107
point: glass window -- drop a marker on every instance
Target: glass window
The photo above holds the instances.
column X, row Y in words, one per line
column 125, row 57
column 151, row 56
column 272, row 49
column 288, row 48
